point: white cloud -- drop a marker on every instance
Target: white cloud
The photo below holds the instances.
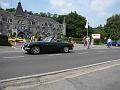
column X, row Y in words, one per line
column 4, row 4
column 102, row 8
column 63, row 6
column 58, row 3
column 101, row 5
column 97, row 9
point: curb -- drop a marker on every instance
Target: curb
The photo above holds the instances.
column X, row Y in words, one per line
column 21, row 83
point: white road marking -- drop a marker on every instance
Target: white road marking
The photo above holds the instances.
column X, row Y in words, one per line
column 111, row 64
column 14, row 57
column 55, row 55
column 83, row 53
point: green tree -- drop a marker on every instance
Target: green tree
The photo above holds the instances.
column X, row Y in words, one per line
column 1, row 8
column 76, row 24
column 100, row 30
column 49, row 15
column 11, row 9
column 30, row 12
column 112, row 27
column 43, row 14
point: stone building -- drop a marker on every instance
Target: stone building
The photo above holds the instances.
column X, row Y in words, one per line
column 24, row 25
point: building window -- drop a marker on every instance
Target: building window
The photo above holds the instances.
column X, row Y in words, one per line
column 22, row 27
column 50, row 24
column 45, row 24
column 7, row 27
column 43, row 27
column 18, row 22
column 38, row 27
column 10, row 20
column 33, row 23
column 21, row 22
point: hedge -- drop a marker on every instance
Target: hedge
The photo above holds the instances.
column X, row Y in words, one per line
column 4, row 40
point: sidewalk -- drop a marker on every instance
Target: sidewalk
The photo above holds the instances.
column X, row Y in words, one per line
column 82, row 47
column 10, row 48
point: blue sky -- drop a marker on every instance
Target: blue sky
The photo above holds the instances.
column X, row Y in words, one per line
column 96, row 11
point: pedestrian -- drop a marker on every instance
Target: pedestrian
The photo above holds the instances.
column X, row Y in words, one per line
column 88, row 42
column 109, row 42
column 92, row 42
column 84, row 41
column 39, row 38
column 33, row 38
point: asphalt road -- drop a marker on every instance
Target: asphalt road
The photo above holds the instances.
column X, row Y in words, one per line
column 107, row 79
column 18, row 63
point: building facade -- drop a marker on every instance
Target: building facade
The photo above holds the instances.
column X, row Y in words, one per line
column 24, row 25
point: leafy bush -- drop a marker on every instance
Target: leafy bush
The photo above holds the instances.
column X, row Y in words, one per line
column 77, row 40
column 4, row 41
column 98, row 42
column 73, row 40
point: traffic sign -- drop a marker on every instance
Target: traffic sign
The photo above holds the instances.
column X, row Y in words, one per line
column 96, row 36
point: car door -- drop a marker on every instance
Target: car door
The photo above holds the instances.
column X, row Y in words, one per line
column 49, row 46
column 45, row 47
column 53, row 46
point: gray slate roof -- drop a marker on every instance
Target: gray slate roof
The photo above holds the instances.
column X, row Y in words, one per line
column 4, row 13
column 42, row 19
column 19, row 10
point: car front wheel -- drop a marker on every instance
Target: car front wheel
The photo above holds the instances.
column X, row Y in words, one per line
column 35, row 50
column 66, row 49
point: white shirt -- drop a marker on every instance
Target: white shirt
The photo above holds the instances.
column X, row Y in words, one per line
column 109, row 40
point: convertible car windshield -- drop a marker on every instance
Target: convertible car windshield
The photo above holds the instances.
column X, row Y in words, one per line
column 52, row 39
column 47, row 39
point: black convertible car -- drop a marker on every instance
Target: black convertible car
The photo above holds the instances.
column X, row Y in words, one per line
column 48, row 44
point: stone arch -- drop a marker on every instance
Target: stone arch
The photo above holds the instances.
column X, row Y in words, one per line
column 21, row 34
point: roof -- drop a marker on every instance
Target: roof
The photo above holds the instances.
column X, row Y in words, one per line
column 42, row 19
column 19, row 10
column 4, row 13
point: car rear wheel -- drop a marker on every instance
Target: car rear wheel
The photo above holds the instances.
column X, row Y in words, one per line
column 35, row 50
column 66, row 49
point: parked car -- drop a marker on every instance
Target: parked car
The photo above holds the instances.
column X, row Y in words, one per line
column 115, row 43
column 48, row 44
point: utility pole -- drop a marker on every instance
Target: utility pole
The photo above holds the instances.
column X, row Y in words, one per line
column 87, row 39
column 87, row 26
column 0, row 6
column 64, row 27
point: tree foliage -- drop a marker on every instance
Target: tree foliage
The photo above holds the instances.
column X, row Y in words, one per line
column 11, row 10
column 4, row 38
column 112, row 27
column 75, row 24
column 100, row 30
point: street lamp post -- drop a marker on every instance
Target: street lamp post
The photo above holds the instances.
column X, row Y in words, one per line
column 87, row 39
column 87, row 32
column 87, row 26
